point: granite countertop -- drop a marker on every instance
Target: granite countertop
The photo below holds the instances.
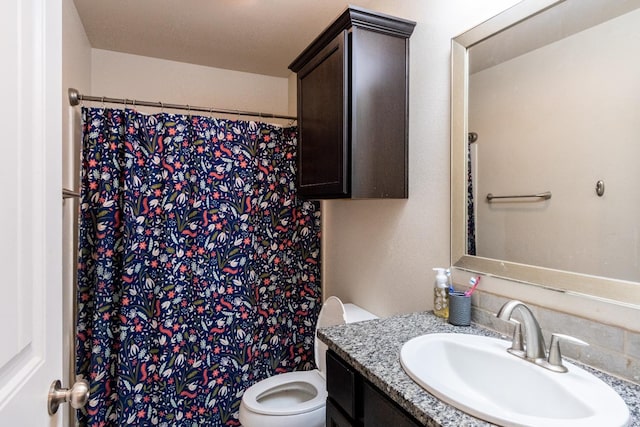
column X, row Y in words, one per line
column 373, row 349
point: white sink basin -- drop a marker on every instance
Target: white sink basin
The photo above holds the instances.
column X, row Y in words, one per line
column 477, row 375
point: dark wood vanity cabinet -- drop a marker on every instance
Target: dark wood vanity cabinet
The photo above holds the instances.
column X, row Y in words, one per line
column 353, row 108
column 354, row 402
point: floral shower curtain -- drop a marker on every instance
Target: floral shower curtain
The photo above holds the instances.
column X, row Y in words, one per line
column 198, row 267
column 471, row 217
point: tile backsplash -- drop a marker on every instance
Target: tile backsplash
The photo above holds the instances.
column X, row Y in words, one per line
column 612, row 349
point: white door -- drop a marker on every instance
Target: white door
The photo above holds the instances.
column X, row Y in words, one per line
column 30, row 209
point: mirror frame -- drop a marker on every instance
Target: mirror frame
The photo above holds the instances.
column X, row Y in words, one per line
column 613, row 290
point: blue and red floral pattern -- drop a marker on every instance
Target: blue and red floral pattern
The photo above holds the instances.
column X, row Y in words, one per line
column 198, row 266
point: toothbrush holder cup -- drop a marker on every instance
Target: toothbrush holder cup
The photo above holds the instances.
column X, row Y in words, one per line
column 459, row 309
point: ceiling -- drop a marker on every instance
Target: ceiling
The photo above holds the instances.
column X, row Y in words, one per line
column 255, row 36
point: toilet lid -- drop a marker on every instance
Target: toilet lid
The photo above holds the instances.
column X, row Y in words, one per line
column 331, row 314
column 308, row 386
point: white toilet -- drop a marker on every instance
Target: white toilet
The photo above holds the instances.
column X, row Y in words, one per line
column 298, row 398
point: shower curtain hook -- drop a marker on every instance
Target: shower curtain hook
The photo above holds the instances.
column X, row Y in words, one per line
column 188, row 111
column 162, row 107
column 103, row 104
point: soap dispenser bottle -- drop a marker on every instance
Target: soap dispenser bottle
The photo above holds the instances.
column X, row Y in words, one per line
column 441, row 293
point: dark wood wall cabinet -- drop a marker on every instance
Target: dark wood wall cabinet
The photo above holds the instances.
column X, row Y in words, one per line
column 354, row 402
column 353, row 83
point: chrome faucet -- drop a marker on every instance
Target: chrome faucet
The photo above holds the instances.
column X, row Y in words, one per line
column 534, row 350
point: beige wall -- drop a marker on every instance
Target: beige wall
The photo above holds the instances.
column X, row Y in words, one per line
column 379, row 253
column 562, row 128
column 122, row 75
column 376, row 253
column 76, row 73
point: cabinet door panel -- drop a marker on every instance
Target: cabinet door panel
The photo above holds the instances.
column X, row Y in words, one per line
column 379, row 411
column 379, row 112
column 341, row 384
column 335, row 417
column 323, row 166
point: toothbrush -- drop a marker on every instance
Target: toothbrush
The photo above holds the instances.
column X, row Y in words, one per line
column 448, row 272
column 474, row 284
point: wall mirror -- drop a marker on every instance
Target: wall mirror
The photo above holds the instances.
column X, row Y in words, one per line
column 551, row 90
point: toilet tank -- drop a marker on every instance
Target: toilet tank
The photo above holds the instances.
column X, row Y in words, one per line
column 353, row 313
column 334, row 312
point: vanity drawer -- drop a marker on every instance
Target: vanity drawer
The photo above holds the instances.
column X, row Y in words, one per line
column 341, row 384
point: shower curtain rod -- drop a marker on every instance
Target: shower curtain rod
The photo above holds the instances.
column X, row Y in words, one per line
column 75, row 97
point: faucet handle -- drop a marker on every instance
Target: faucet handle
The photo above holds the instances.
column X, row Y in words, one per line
column 516, row 343
column 555, row 358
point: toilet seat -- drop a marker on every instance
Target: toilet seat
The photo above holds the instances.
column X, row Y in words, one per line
column 297, row 398
column 272, row 396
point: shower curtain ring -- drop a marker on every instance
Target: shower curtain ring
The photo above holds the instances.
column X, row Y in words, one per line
column 162, row 107
column 102, row 100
